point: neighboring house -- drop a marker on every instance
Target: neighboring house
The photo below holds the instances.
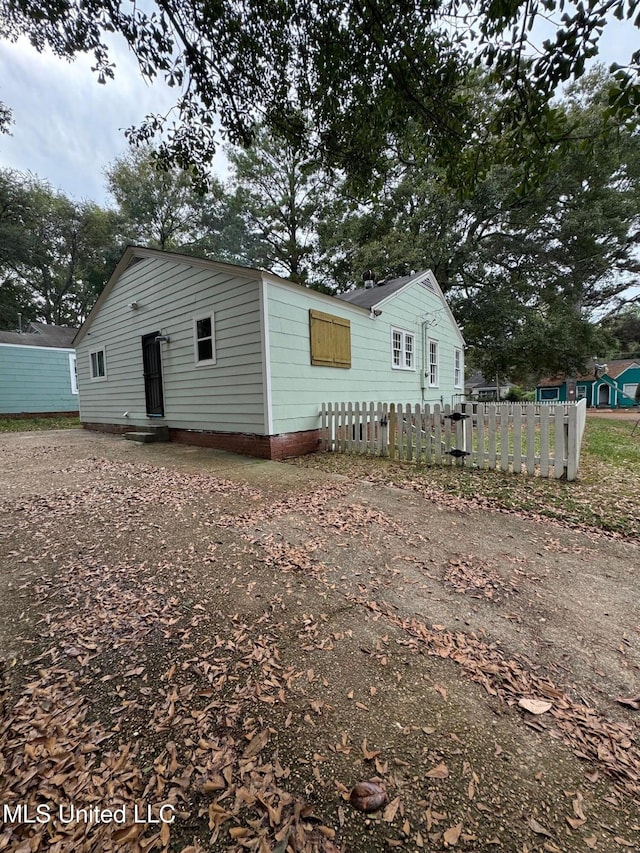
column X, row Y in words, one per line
column 38, row 371
column 476, row 387
column 610, row 386
column 240, row 359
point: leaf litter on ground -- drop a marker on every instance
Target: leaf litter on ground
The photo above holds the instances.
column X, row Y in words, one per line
column 111, row 610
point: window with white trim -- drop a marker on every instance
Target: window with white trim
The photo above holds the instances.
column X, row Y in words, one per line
column 402, row 350
column 457, row 368
column 581, row 392
column 434, row 365
column 98, row 364
column 204, row 339
column 73, row 372
column 629, row 390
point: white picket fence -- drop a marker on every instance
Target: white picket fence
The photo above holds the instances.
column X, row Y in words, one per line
column 529, row 438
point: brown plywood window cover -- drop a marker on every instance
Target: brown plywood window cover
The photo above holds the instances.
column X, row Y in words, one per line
column 330, row 340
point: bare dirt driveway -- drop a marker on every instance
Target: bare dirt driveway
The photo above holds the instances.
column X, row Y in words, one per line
column 200, row 651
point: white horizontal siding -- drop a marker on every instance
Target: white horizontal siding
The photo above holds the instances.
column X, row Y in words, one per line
column 227, row 395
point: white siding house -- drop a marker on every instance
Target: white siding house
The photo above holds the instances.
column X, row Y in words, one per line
column 232, row 357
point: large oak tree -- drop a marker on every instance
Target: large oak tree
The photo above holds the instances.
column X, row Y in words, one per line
column 344, row 75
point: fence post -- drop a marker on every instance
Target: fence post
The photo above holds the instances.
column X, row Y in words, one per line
column 323, row 428
column 417, row 421
column 530, row 416
column 504, row 415
column 391, row 432
column 559, row 442
column 372, row 428
column 516, row 421
column 571, row 440
column 437, row 434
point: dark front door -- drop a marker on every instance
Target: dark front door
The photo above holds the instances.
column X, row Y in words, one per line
column 152, row 361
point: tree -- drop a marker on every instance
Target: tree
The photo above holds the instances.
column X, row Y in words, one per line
column 356, row 71
column 163, row 208
column 624, row 328
column 527, row 272
column 5, row 118
column 55, row 252
column 281, row 196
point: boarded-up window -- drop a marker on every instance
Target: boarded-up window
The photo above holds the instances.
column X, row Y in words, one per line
column 330, row 340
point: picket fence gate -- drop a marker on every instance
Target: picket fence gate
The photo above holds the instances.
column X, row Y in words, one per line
column 529, row 438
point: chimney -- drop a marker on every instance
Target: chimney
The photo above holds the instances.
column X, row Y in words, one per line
column 369, row 278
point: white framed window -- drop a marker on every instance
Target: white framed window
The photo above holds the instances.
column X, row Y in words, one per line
column 457, row 368
column 629, row 390
column 98, row 364
column 434, row 363
column 204, row 339
column 73, row 372
column 403, row 350
column 581, row 392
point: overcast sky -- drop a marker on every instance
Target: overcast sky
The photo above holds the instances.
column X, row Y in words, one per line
column 67, row 127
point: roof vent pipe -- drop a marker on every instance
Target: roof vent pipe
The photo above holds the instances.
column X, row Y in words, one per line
column 369, row 278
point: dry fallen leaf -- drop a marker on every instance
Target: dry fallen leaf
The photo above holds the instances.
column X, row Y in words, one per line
column 440, row 771
column 631, row 702
column 257, row 744
column 452, row 835
column 391, row 810
column 538, row 828
column 369, row 754
column 535, row 706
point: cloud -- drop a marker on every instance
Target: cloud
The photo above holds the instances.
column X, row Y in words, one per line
column 67, row 127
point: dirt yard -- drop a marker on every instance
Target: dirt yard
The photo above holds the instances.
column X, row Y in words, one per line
column 230, row 645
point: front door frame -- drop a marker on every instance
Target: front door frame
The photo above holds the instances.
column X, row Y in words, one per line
column 606, row 402
column 152, row 373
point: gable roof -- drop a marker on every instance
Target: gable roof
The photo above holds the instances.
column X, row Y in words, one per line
column 374, row 297
column 41, row 335
column 359, row 299
column 370, row 297
column 615, row 368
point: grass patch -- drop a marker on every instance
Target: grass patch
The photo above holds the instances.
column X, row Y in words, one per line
column 605, row 497
column 34, row 424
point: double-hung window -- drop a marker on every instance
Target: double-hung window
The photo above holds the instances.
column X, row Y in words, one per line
column 433, row 367
column 73, row 372
column 402, row 350
column 457, row 368
column 204, row 339
column 98, row 364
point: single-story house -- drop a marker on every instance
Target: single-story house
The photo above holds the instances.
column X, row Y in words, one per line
column 239, row 359
column 476, row 387
column 612, row 385
column 38, row 371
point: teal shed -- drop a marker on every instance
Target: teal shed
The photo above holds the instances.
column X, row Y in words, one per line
column 38, row 371
column 237, row 358
column 611, row 386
